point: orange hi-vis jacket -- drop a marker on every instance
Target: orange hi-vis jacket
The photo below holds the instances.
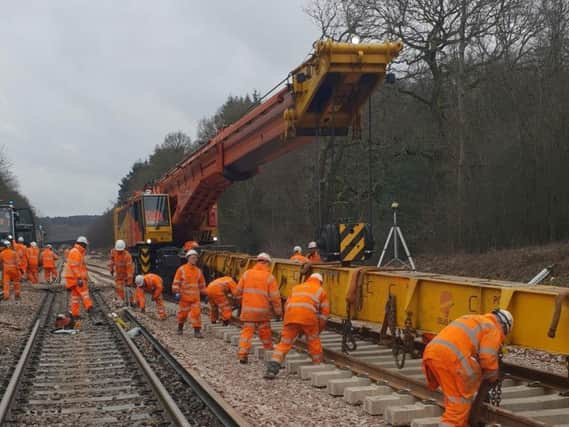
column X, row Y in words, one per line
column 470, row 343
column 153, row 283
column 189, row 281
column 121, row 264
column 10, row 260
column 299, row 258
column 307, row 305
column 22, row 255
column 33, row 255
column 314, row 257
column 260, row 293
column 75, row 267
column 48, row 258
column 221, row 287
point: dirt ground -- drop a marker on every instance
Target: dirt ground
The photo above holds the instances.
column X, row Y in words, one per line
column 519, row 264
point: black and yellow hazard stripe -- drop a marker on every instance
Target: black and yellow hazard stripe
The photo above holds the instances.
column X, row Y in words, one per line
column 144, row 259
column 352, row 241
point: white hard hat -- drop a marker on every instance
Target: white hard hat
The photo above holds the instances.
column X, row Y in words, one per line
column 505, row 318
column 34, row 245
column 317, row 276
column 191, row 252
column 263, row 256
column 120, row 245
column 139, row 280
column 20, row 239
column 6, row 243
column 49, row 246
column 82, row 239
column 312, row 245
column 297, row 249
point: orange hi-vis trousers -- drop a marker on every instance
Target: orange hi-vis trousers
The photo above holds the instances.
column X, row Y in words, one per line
column 11, row 276
column 79, row 295
column 457, row 406
column 191, row 308
column 288, row 336
column 140, row 298
column 247, row 332
column 160, row 307
column 33, row 274
column 219, row 303
column 119, row 286
column 49, row 274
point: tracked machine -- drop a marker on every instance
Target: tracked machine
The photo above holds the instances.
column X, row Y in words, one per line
column 323, row 96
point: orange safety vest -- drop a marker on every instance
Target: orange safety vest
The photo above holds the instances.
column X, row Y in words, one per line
column 189, row 281
column 314, row 257
column 221, row 287
column 307, row 304
column 10, row 260
column 48, row 258
column 299, row 258
column 22, row 256
column 75, row 267
column 33, row 255
column 470, row 344
column 121, row 263
column 153, row 283
column 260, row 292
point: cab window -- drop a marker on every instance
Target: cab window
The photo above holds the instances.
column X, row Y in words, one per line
column 156, row 211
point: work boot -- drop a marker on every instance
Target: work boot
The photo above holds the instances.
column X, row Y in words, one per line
column 180, row 328
column 226, row 323
column 214, row 321
column 198, row 333
column 272, row 370
column 243, row 360
column 143, row 310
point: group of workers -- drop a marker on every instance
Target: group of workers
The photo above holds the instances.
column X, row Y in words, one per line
column 20, row 262
column 457, row 360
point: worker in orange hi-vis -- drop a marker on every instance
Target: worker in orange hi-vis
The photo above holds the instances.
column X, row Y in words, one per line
column 463, row 354
column 188, row 284
column 191, row 244
column 47, row 261
column 297, row 255
column 260, row 301
column 306, row 311
column 139, row 297
column 10, row 269
column 21, row 249
column 217, row 293
column 76, row 277
column 66, row 253
column 313, row 255
column 153, row 283
column 122, row 267
column 33, row 256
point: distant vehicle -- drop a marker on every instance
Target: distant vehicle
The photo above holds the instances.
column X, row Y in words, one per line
column 18, row 222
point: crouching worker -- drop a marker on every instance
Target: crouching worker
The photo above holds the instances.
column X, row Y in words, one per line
column 306, row 310
column 151, row 283
column 462, row 355
column 217, row 294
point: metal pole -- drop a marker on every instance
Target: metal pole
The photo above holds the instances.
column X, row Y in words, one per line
column 369, row 165
column 395, row 252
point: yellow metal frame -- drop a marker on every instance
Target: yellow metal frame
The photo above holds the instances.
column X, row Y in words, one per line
column 431, row 301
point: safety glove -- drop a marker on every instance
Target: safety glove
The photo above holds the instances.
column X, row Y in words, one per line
column 79, row 283
column 177, row 296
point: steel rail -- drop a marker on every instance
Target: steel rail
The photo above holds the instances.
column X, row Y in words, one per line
column 12, row 388
column 225, row 413
column 174, row 412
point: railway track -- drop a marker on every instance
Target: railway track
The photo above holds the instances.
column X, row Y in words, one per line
column 97, row 376
column 369, row 377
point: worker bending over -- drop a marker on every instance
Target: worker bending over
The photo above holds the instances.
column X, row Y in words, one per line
column 297, row 255
column 313, row 255
column 188, row 284
column 122, row 267
column 33, row 256
column 21, row 249
column 306, row 311
column 76, row 277
column 47, row 260
column 217, row 293
column 10, row 269
column 463, row 354
column 260, row 301
column 152, row 283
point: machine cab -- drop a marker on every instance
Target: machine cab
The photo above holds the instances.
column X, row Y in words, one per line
column 6, row 221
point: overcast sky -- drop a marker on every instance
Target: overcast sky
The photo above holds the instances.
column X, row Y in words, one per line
column 88, row 87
